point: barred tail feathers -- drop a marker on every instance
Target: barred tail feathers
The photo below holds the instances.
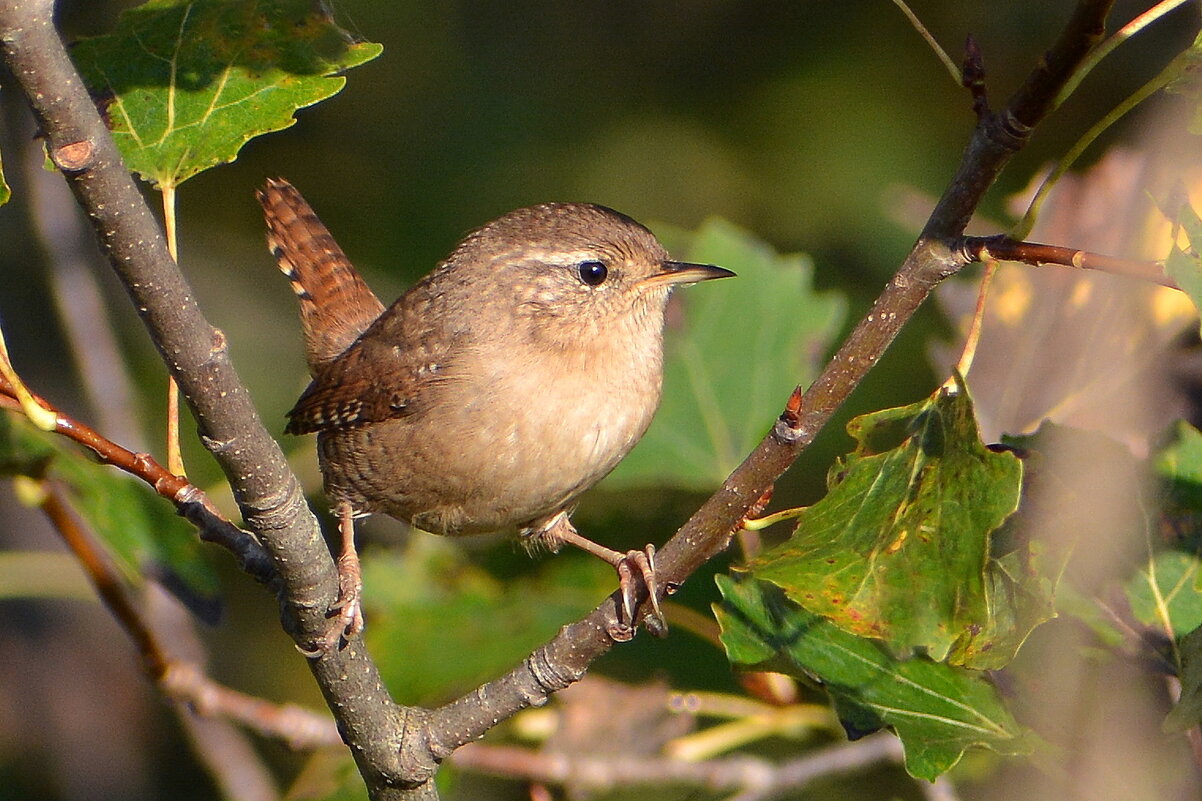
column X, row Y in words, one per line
column 336, row 305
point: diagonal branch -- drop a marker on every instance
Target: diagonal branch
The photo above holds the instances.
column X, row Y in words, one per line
column 195, row 353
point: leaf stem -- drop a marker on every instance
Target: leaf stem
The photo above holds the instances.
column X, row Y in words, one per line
column 175, row 457
column 973, row 338
column 1114, row 40
column 942, row 55
column 1166, row 76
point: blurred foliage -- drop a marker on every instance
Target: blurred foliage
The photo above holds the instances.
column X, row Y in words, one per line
column 732, row 363
column 428, row 601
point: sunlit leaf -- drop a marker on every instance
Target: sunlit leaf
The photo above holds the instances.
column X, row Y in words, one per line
column 430, row 602
column 1180, row 465
column 185, row 83
column 1188, row 65
column 744, row 344
column 1184, row 265
column 936, row 710
column 899, row 549
column 141, row 530
column 1165, row 593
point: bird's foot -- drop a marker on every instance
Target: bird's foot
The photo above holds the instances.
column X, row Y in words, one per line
column 632, row 567
column 346, row 613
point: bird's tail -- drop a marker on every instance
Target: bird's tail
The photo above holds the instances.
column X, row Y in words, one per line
column 336, row 305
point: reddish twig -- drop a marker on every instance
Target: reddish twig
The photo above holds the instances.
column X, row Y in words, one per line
column 1002, row 248
column 193, row 504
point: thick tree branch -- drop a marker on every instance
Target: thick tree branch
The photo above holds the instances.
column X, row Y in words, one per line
column 195, row 353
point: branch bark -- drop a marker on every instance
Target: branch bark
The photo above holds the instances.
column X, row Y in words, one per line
column 398, row 748
column 195, row 353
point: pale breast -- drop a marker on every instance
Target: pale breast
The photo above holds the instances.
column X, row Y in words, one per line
column 507, row 437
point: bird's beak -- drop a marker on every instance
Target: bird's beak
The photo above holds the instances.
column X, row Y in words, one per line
column 682, row 272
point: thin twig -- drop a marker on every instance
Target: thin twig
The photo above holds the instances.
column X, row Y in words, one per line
column 183, row 681
column 752, row 778
column 1104, row 49
column 190, row 500
column 940, row 53
column 1003, row 248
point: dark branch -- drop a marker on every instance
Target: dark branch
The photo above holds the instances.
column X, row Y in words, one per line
column 267, row 493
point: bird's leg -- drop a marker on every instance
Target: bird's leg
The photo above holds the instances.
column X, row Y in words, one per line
column 349, row 608
column 558, row 530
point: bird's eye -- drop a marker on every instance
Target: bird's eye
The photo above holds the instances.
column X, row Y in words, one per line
column 592, row 273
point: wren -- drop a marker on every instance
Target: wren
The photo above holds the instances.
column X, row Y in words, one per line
column 491, row 394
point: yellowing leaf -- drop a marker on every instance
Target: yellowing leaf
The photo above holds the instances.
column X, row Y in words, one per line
column 899, row 549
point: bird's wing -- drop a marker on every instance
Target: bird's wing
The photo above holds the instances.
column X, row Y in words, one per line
column 374, row 380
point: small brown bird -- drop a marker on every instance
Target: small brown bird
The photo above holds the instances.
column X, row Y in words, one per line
column 495, row 391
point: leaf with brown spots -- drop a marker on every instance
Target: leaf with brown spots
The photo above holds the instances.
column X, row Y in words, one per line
column 900, row 548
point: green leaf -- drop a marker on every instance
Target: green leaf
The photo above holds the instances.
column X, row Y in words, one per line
column 899, row 548
column 141, row 531
column 1180, row 466
column 1165, row 593
column 1188, row 82
column 1187, row 712
column 186, row 83
column 746, row 342
column 1185, row 266
column 430, row 602
column 936, row 710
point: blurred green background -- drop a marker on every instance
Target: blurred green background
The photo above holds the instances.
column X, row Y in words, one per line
column 819, row 126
